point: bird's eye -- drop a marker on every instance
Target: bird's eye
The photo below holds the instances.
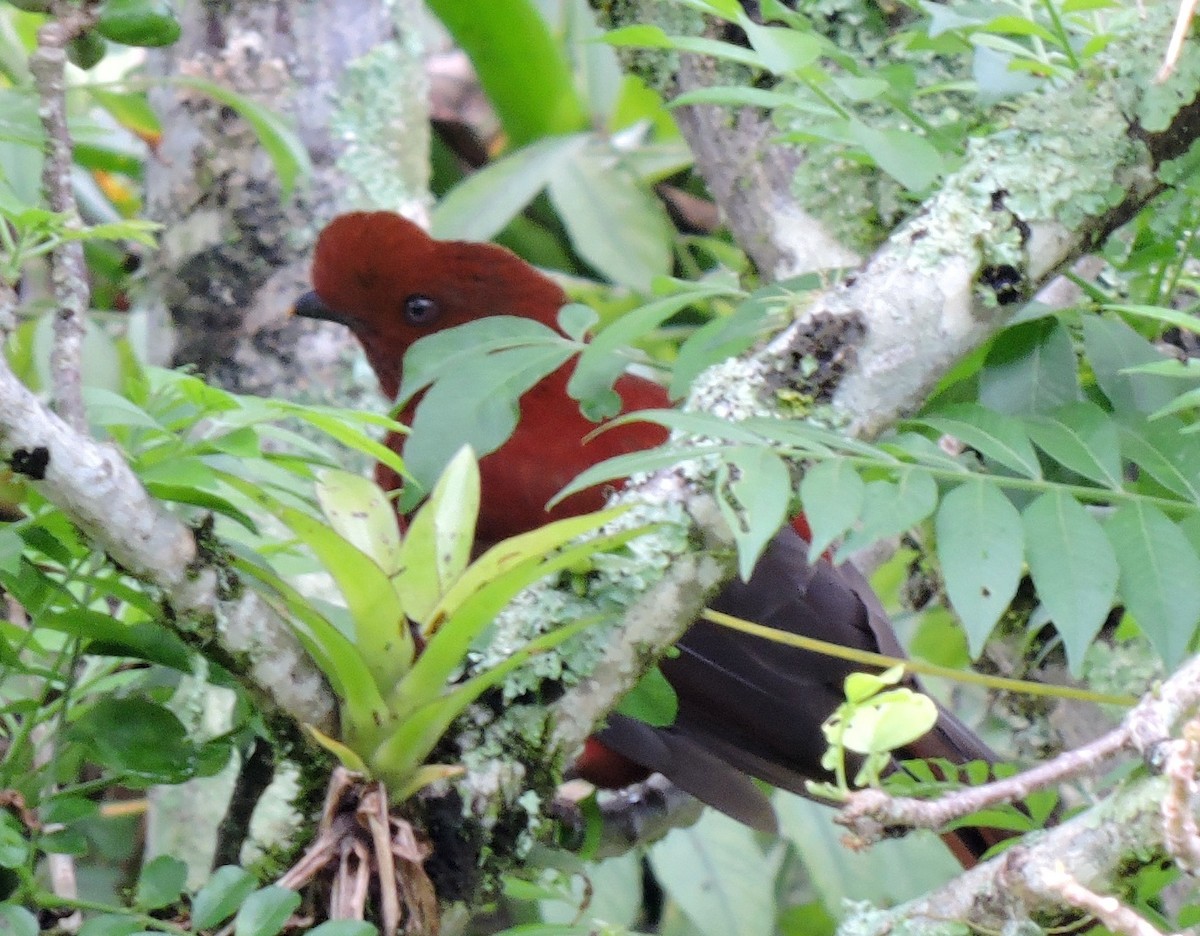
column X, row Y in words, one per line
column 421, row 310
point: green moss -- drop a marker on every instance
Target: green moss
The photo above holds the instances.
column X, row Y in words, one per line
column 848, row 197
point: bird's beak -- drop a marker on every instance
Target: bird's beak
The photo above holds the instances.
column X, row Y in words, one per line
column 310, row 306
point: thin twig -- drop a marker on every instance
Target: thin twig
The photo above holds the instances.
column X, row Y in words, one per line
column 1180, row 833
column 1145, row 729
column 68, row 268
column 1115, row 915
column 1183, row 23
column 868, row 811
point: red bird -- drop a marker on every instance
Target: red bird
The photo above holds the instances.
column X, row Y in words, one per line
column 747, row 707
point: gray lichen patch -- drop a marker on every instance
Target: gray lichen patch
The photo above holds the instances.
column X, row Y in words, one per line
column 734, row 390
column 604, row 589
column 384, row 148
column 511, row 742
column 990, row 206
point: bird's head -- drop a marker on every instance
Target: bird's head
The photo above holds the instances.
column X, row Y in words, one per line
column 391, row 283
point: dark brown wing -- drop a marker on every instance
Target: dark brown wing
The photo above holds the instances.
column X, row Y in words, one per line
column 755, row 707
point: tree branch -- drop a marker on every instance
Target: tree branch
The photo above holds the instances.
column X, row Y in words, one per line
column 68, row 269
column 92, row 484
column 885, row 335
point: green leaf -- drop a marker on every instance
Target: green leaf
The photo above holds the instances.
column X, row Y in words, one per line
column 1030, row 368
column 182, row 494
column 1161, row 314
column 623, row 466
column 453, row 352
column 381, row 632
column 17, row 921
column 266, row 911
column 784, row 51
column 131, row 109
column 138, row 22
column 613, row 885
column 134, row 736
column 340, row 661
column 438, row 544
column 995, row 436
column 1160, row 577
column 1163, row 451
column 1188, row 400
column 521, row 66
column 106, row 408
column 888, row 874
column 146, row 640
column 484, row 202
column 161, row 883
column 832, row 495
column 606, row 357
column 890, row 721
column 726, row 96
column 67, row 809
column 343, row 928
column 111, row 924
column 577, row 320
column 224, row 892
column 862, row 89
column 718, row 876
column 652, row 700
column 719, row 340
column 653, row 37
column 284, row 148
column 890, row 509
column 481, row 412
column 400, row 754
column 1020, row 26
column 613, row 220
column 14, row 845
column 65, row 842
column 980, row 546
column 906, row 156
column 726, row 9
column 338, row 424
column 859, row 687
column 1073, row 568
column 761, row 488
column 487, row 586
column 361, row 514
column 1112, row 347
column 12, row 547
column 1083, row 438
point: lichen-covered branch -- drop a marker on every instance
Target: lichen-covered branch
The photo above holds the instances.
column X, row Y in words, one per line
column 92, row 484
column 1026, row 201
column 348, row 79
column 1021, row 881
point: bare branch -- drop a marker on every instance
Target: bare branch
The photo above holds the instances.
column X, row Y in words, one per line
column 1107, row 909
column 68, row 269
column 868, row 812
column 1178, row 809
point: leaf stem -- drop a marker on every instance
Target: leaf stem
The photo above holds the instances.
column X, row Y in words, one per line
column 50, row 901
column 868, row 658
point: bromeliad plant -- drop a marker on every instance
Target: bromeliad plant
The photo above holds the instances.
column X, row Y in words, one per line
column 415, row 606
